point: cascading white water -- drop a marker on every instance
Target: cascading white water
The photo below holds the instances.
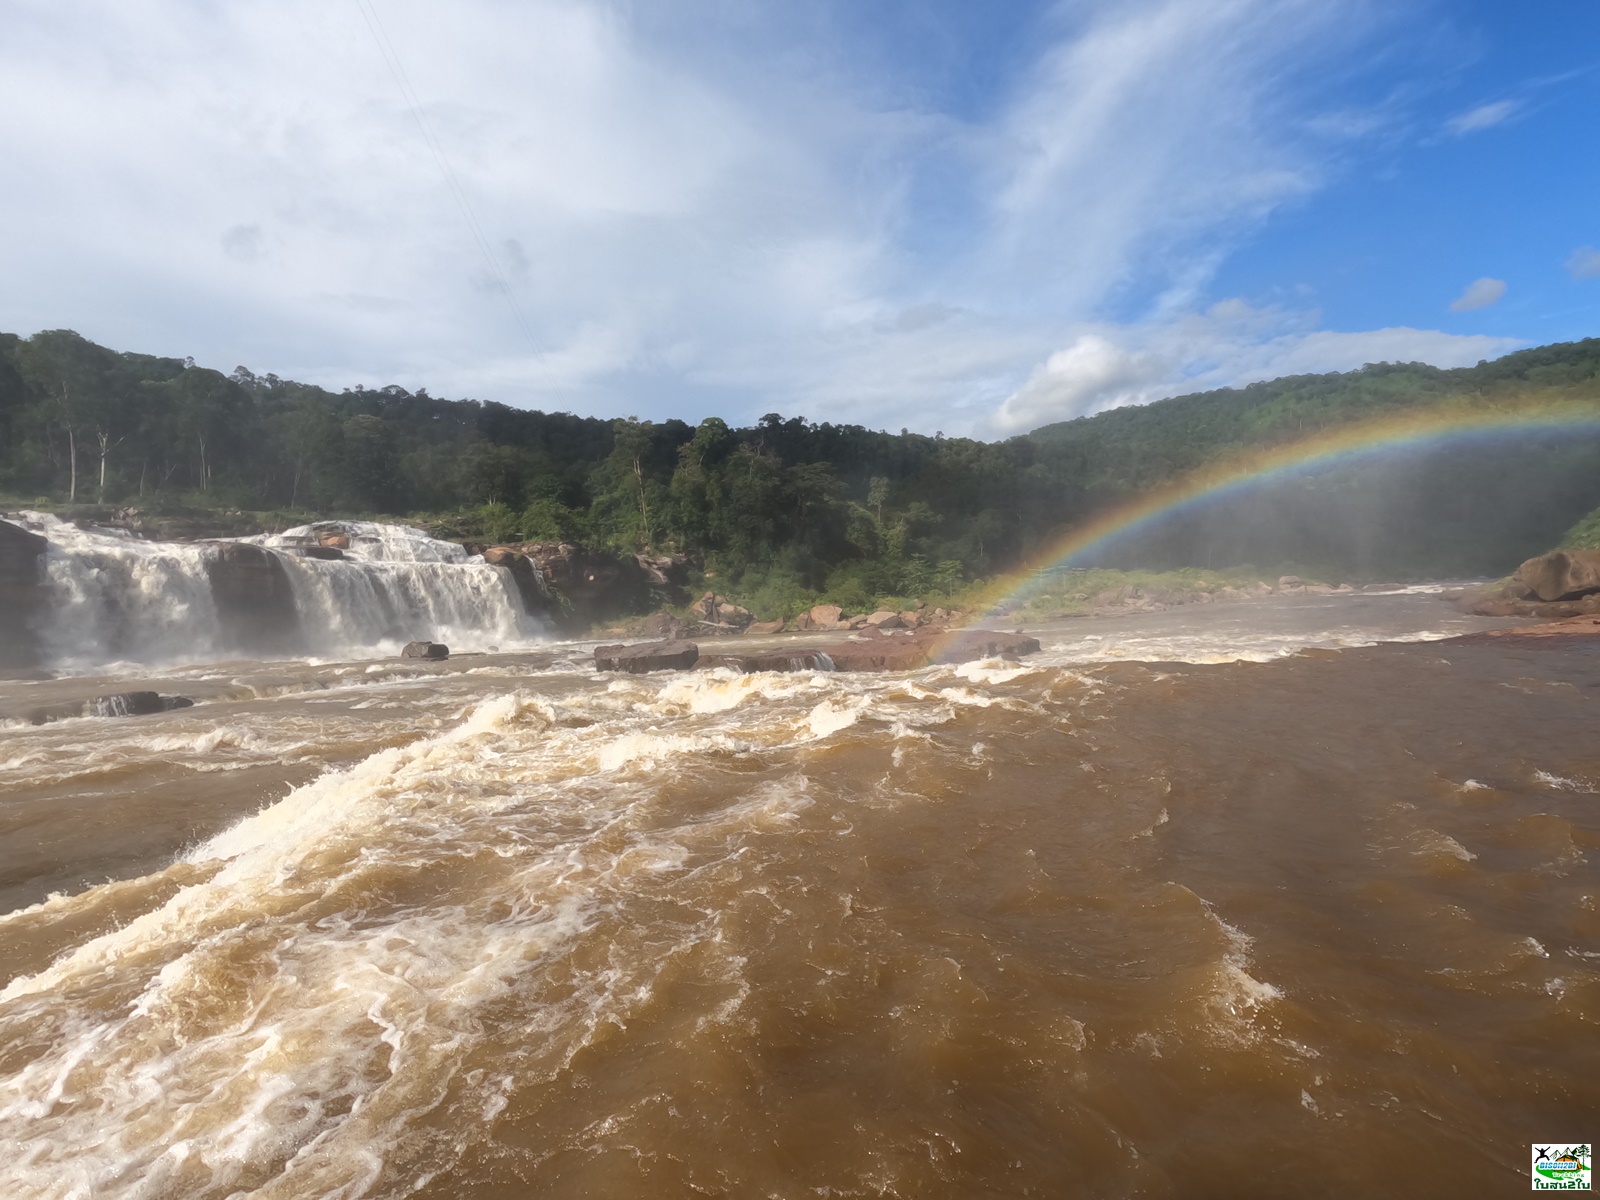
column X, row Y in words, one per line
column 111, row 596
column 395, row 585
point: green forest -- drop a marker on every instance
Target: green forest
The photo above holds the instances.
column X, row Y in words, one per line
column 806, row 508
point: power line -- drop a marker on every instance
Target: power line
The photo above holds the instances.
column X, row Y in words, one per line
column 391, row 59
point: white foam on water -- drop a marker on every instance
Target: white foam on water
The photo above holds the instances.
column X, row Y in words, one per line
column 280, row 1027
column 1561, row 783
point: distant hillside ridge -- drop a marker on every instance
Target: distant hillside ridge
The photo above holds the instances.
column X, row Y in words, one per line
column 805, row 508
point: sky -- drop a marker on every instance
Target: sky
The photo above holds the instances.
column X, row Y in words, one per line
column 941, row 215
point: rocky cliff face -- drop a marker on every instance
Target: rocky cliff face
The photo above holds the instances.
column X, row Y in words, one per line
column 21, row 594
column 584, row 585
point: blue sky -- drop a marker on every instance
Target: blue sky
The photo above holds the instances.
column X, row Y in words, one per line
column 940, row 215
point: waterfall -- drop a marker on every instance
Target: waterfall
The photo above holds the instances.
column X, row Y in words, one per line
column 394, row 585
column 112, row 597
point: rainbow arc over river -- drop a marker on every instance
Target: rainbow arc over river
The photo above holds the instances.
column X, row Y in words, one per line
column 1350, row 442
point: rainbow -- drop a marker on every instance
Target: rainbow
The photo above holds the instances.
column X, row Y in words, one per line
column 1329, row 447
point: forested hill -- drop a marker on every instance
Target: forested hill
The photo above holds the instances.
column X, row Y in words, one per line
column 826, row 507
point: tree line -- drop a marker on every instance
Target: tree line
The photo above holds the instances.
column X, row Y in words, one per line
column 812, row 507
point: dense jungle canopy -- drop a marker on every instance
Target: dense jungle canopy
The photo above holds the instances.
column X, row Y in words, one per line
column 818, row 506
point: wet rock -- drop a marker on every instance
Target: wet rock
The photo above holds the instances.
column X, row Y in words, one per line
column 1564, row 575
column 525, row 575
column 588, row 585
column 432, row 651
column 333, row 539
column 255, row 604
column 895, row 652
column 771, row 660
column 134, row 704
column 647, row 656
column 117, row 704
column 326, row 553
column 21, row 594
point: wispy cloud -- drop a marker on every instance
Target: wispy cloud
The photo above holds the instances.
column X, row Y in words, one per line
column 1484, row 116
column 690, row 224
column 1584, row 263
column 1480, row 293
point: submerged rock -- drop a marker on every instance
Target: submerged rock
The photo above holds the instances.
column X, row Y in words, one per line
column 432, row 651
column 647, row 656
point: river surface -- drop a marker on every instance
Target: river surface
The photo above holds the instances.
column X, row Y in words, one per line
column 1215, row 902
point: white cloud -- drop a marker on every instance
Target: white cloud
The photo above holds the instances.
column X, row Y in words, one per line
column 691, row 220
column 1584, row 263
column 1484, row 116
column 1229, row 344
column 1480, row 293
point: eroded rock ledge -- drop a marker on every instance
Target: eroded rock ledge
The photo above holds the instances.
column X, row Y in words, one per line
column 873, row 652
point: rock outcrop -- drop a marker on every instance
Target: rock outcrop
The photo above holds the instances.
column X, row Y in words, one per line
column 1564, row 575
column 647, row 656
column 255, row 604
column 886, row 652
column 21, row 594
column 525, row 574
column 432, row 651
column 718, row 615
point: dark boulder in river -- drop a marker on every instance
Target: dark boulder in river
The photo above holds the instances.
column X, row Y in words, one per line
column 21, row 594
column 647, row 656
column 255, row 603
column 433, row 651
column 118, row 704
column 1564, row 575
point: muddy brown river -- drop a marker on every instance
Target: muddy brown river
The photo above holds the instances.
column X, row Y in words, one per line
column 1219, row 903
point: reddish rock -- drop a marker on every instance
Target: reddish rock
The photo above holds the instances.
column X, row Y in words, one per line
column 884, row 619
column 765, row 626
column 333, row 540
column 647, row 656
column 771, row 660
column 825, row 616
column 1564, row 575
